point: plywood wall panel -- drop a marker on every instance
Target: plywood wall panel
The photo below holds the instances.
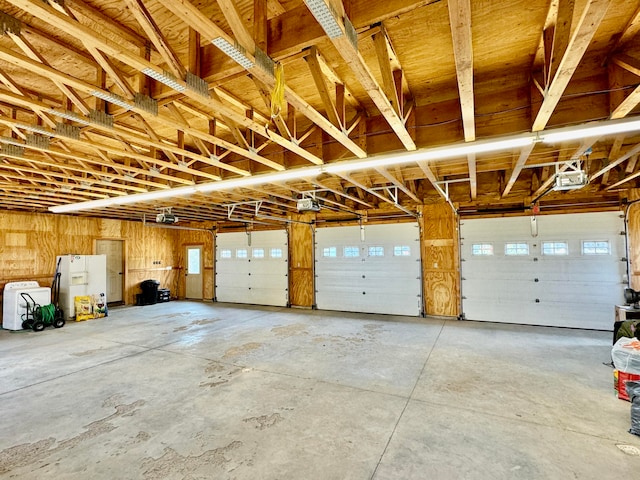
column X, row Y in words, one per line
column 300, row 295
column 633, row 229
column 301, row 267
column 30, row 243
column 440, row 259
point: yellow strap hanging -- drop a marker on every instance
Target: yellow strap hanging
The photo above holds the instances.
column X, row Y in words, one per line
column 277, row 95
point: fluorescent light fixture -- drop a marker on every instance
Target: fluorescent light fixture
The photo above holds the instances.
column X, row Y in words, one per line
column 166, row 78
column 112, row 98
column 125, row 199
column 325, row 17
column 589, row 130
column 275, row 177
column 401, row 158
column 234, row 51
column 68, row 115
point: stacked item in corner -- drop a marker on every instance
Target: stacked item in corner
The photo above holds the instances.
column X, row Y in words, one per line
column 626, row 361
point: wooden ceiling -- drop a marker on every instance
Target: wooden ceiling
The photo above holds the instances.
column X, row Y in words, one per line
column 400, row 75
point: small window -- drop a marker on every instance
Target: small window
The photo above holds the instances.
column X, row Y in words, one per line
column 555, row 248
column 276, row 253
column 226, row 253
column 516, row 248
column 482, row 249
column 596, row 247
column 241, row 253
column 401, row 251
column 351, row 252
column 376, row 251
column 330, row 252
column 258, row 253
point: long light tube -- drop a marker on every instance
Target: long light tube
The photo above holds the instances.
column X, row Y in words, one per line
column 589, row 130
column 377, row 161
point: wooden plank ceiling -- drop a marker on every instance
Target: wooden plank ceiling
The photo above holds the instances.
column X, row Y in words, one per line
column 84, row 116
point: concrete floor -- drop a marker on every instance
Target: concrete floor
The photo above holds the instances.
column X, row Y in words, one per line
column 188, row 390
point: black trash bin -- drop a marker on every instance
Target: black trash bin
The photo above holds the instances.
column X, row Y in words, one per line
column 149, row 291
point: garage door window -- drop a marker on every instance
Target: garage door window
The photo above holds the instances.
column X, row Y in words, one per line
column 401, row 251
column 226, row 253
column 555, row 248
column 241, row 253
column 481, row 249
column 276, row 253
column 351, row 252
column 331, row 252
column 258, row 253
column 596, row 248
column 376, row 251
column 516, row 248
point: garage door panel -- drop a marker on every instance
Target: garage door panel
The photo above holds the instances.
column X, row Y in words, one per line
column 572, row 290
column 382, row 279
column 261, row 277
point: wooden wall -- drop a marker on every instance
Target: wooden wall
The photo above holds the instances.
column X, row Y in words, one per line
column 301, row 264
column 440, row 260
column 633, row 231
column 29, row 244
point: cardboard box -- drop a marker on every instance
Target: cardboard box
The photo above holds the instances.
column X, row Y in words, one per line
column 620, row 380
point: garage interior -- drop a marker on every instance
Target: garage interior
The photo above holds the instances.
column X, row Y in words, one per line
column 393, row 235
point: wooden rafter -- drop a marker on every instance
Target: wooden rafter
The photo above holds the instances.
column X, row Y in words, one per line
column 150, row 27
column 72, row 27
column 584, row 30
column 193, row 17
column 361, row 70
column 322, row 87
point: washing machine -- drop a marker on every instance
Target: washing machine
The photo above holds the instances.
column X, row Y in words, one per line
column 14, row 308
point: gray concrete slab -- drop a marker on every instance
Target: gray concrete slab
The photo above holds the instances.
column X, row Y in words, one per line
column 189, row 390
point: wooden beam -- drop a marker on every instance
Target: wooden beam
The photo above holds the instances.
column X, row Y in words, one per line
column 517, row 168
column 388, row 83
column 31, row 52
column 260, row 23
column 65, row 23
column 618, row 160
column 386, row 174
column 631, row 166
column 191, row 15
column 96, row 15
column 590, row 19
column 460, row 21
column 561, row 37
column 239, row 29
column 152, row 30
column 630, row 30
column 323, row 89
column 358, row 66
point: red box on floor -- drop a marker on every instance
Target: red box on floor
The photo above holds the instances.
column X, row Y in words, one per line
column 620, row 380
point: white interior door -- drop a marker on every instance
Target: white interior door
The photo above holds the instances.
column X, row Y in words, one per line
column 252, row 267
column 373, row 270
column 194, row 277
column 113, row 249
column 571, row 274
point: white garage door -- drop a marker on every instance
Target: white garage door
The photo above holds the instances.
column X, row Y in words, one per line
column 570, row 275
column 252, row 268
column 374, row 272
